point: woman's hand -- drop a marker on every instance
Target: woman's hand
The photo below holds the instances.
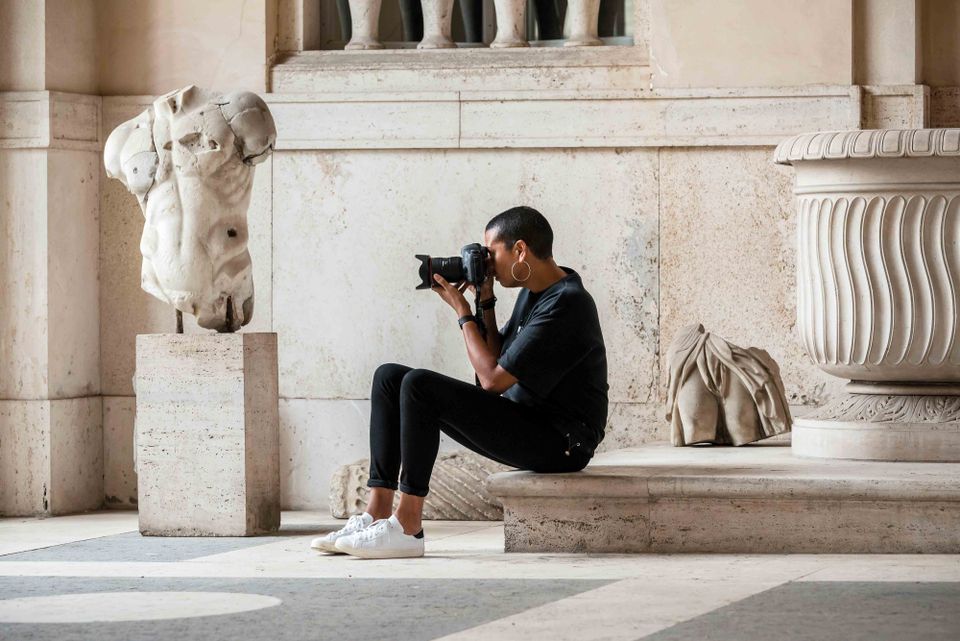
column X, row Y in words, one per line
column 452, row 295
column 486, row 287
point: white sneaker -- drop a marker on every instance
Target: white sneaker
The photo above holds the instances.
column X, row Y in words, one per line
column 382, row 540
column 355, row 523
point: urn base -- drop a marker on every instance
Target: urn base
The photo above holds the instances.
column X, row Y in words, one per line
column 889, row 425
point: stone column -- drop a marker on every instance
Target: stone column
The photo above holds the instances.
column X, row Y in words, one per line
column 878, row 290
column 51, row 444
column 207, row 440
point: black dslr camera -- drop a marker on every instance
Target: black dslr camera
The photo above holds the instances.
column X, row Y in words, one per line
column 470, row 266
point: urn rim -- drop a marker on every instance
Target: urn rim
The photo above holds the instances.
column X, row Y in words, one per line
column 869, row 143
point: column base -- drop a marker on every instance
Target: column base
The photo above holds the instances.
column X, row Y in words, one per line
column 882, row 427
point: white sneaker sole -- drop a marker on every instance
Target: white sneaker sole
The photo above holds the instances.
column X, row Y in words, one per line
column 381, row 554
column 327, row 547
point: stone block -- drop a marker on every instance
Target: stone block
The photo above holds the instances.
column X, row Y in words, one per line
column 207, row 434
column 316, row 437
column 119, row 475
column 23, row 270
column 51, row 456
column 697, row 43
column 750, row 499
column 48, row 265
column 457, row 491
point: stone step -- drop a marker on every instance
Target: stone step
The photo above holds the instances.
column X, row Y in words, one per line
column 753, row 499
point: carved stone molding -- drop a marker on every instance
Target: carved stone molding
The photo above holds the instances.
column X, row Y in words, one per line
column 874, row 143
column 875, row 408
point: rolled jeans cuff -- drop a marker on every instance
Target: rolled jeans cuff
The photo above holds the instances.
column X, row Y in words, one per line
column 413, row 491
column 378, row 483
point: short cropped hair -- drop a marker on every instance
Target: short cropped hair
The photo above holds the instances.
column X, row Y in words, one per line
column 526, row 224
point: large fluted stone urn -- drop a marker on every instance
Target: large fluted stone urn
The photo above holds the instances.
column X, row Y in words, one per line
column 878, row 290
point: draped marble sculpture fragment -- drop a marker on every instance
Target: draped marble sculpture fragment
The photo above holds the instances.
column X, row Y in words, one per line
column 720, row 393
column 189, row 159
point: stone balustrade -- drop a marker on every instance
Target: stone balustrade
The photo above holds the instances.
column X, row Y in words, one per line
column 582, row 20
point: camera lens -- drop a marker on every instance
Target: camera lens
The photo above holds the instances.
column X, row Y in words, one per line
column 450, row 268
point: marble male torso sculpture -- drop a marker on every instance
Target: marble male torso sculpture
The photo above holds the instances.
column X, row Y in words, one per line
column 189, row 160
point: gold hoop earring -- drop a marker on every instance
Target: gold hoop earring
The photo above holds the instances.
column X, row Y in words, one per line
column 524, row 279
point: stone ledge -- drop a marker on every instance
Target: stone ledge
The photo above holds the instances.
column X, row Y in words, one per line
column 716, row 500
column 564, row 118
column 453, row 70
column 49, row 120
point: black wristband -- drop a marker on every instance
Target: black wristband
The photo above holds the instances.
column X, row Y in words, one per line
column 488, row 304
column 463, row 320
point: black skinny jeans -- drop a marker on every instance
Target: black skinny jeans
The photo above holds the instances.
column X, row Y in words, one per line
column 411, row 406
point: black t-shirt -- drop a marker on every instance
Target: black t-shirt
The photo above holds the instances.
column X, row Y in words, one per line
column 554, row 347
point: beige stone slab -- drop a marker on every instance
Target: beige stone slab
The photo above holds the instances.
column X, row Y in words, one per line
column 76, row 455
column 753, row 498
column 23, row 273
column 727, row 254
column 21, row 534
column 316, row 437
column 49, row 119
column 742, row 117
column 940, row 20
column 895, row 107
column 634, row 424
column 607, row 116
column 51, row 456
column 358, row 123
column 613, row 611
column 207, row 440
column 945, row 107
column 887, row 41
column 73, row 284
column 889, row 568
column 209, row 48
column 24, row 457
column 751, row 42
column 119, row 475
column 462, row 69
column 292, row 558
column 331, row 208
column 70, row 35
column 20, row 47
column 50, row 345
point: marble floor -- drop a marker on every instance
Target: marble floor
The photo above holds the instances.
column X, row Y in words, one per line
column 93, row 576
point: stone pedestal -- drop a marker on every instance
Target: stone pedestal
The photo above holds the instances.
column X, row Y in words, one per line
column 207, row 441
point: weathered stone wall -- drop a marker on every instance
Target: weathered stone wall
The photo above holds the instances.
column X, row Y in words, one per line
column 653, row 163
